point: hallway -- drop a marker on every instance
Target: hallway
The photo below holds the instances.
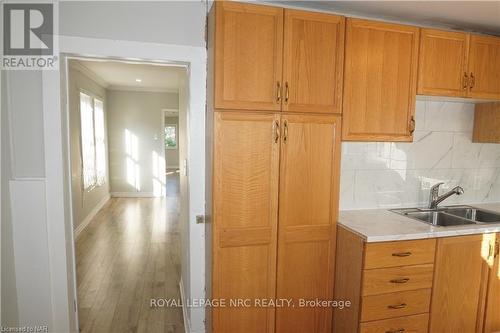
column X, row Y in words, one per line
column 128, row 255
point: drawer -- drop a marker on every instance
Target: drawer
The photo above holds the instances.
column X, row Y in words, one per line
column 394, row 279
column 402, row 253
column 409, row 324
column 393, row 305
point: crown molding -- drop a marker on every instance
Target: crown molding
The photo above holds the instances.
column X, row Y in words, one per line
column 142, row 89
column 77, row 65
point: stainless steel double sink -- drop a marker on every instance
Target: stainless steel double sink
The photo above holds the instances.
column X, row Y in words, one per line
column 450, row 215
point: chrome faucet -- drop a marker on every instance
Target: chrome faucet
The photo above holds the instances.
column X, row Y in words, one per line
column 435, row 198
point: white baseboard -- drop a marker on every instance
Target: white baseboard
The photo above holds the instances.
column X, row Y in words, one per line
column 187, row 323
column 133, row 195
column 90, row 216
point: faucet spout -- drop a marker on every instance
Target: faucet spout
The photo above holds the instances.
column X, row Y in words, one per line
column 435, row 199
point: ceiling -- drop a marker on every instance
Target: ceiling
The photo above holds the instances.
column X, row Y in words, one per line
column 477, row 16
column 125, row 75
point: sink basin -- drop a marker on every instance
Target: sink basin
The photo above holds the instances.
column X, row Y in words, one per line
column 475, row 214
column 450, row 215
column 439, row 218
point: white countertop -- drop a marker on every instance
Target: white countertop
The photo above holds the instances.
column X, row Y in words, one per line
column 382, row 225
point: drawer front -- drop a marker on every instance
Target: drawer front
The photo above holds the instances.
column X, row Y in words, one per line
column 394, row 279
column 403, row 253
column 393, row 305
column 409, row 324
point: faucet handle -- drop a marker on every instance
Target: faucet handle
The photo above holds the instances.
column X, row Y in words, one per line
column 435, row 187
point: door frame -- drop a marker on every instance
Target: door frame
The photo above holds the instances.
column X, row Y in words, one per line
column 60, row 236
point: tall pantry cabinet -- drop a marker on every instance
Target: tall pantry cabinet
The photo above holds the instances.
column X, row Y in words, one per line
column 274, row 103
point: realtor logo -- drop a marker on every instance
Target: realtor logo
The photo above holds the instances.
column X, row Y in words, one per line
column 28, row 36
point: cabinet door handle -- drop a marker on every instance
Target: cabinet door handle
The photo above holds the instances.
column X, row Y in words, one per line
column 465, row 83
column 402, row 280
column 412, row 125
column 278, row 92
column 401, row 254
column 276, row 131
column 287, row 92
column 401, row 330
column 472, row 80
column 285, row 131
column 397, row 306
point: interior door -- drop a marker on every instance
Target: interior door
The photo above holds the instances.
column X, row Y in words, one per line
column 248, row 56
column 308, row 209
column 245, row 193
column 443, row 63
column 380, row 81
column 313, row 62
column 458, row 281
column 492, row 312
column 484, row 67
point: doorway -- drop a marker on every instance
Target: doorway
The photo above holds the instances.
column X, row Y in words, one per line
column 128, row 205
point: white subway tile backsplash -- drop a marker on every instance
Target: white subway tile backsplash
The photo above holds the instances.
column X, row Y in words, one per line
column 388, row 175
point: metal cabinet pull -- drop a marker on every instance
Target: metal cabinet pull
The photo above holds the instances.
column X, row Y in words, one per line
column 278, row 92
column 412, row 125
column 465, row 83
column 285, row 131
column 401, row 254
column 397, row 306
column 401, row 330
column 472, row 80
column 287, row 92
column 276, row 131
column 403, row 280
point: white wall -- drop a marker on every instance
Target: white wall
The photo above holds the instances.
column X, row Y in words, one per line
column 84, row 202
column 164, row 23
column 171, row 154
column 137, row 114
column 389, row 174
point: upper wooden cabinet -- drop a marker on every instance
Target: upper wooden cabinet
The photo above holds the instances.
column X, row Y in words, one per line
column 270, row 59
column 248, row 56
column 484, row 67
column 380, row 81
column 313, row 62
column 443, row 63
column 459, row 65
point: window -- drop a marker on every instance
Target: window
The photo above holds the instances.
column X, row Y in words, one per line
column 171, row 136
column 93, row 141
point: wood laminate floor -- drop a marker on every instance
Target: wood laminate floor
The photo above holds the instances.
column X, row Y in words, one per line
column 129, row 254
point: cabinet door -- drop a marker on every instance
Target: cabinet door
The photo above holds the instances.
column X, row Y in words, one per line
column 308, row 209
column 313, row 62
column 492, row 317
column 248, row 56
column 484, row 67
column 458, row 282
column 443, row 63
column 380, row 81
column 245, row 194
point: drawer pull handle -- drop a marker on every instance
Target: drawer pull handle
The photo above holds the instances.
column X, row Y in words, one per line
column 401, row 254
column 402, row 330
column 403, row 280
column 397, row 306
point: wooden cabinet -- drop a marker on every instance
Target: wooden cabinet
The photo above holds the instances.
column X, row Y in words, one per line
column 271, row 59
column 492, row 311
column 388, row 283
column 484, row 67
column 486, row 123
column 380, row 81
column 250, row 181
column 248, row 56
column 459, row 65
column 443, row 63
column 308, row 207
column 313, row 62
column 245, row 213
column 458, row 279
